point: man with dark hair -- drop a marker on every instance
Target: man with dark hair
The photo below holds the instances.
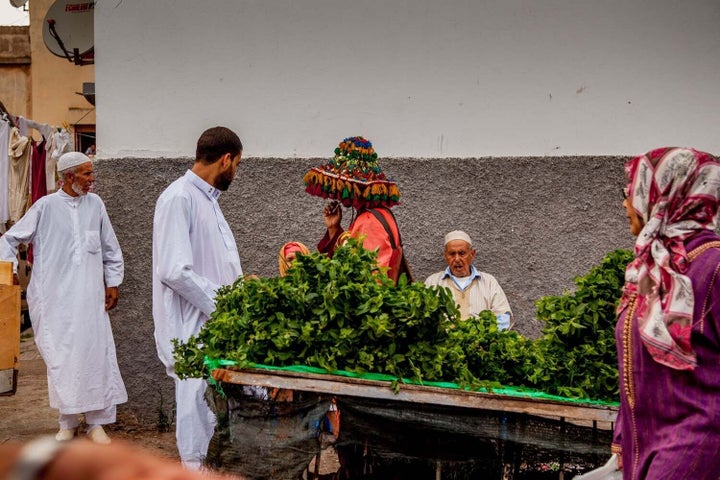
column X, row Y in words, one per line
column 194, row 254
column 216, row 142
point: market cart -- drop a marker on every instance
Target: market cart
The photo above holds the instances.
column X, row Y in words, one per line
column 420, row 431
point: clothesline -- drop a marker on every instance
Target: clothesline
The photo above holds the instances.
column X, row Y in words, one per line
column 45, row 130
column 25, row 124
column 28, row 167
column 5, row 115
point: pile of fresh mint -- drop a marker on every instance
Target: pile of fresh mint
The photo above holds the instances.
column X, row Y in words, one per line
column 341, row 313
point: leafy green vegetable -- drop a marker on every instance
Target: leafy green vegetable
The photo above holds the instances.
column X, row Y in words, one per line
column 576, row 355
column 333, row 313
column 343, row 313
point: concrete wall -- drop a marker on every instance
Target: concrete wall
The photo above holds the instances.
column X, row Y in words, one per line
column 15, row 86
column 420, row 78
column 536, row 223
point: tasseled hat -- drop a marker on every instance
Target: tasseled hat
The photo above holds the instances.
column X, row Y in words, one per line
column 353, row 177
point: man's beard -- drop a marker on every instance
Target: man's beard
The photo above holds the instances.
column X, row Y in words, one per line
column 77, row 189
column 223, row 182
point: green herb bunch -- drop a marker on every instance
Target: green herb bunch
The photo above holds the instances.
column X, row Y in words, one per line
column 342, row 313
column 337, row 313
column 576, row 356
column 497, row 356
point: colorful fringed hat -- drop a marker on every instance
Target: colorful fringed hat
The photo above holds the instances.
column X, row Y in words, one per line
column 353, row 177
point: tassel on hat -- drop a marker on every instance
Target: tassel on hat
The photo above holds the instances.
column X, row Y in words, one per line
column 353, row 177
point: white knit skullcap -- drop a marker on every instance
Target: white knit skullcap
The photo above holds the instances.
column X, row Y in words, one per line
column 458, row 235
column 71, row 159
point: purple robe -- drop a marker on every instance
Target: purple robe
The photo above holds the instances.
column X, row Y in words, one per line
column 669, row 420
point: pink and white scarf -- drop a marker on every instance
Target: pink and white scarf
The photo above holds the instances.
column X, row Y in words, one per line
column 675, row 192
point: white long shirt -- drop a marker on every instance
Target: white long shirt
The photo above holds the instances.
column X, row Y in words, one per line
column 4, row 170
column 194, row 254
column 58, row 143
column 76, row 255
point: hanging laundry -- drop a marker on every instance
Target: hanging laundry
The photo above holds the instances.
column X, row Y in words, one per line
column 38, row 185
column 60, row 142
column 19, row 151
column 22, row 126
column 4, row 170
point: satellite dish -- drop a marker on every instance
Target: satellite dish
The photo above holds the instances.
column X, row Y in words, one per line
column 68, row 30
column 18, row 3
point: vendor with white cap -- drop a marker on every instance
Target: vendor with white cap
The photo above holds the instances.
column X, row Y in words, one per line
column 474, row 291
column 76, row 272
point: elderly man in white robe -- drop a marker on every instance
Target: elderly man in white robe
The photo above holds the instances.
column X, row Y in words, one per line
column 77, row 268
column 194, row 254
column 474, row 291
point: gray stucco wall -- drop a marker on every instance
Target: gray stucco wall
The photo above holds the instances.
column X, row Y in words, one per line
column 535, row 222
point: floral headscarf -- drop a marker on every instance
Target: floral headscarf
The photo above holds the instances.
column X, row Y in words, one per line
column 287, row 249
column 675, row 192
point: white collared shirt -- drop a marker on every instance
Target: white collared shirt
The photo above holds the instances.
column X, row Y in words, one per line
column 194, row 254
column 463, row 282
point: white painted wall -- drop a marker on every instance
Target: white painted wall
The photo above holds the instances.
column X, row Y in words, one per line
column 420, row 78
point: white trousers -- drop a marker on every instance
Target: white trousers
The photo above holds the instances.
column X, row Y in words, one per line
column 194, row 422
column 95, row 417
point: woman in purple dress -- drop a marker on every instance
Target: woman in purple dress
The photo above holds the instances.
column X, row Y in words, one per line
column 668, row 330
